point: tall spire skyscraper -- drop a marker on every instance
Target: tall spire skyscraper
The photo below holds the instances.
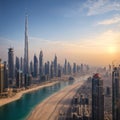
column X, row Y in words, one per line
column 26, row 57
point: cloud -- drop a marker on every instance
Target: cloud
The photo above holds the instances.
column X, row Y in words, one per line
column 95, row 7
column 86, row 45
column 113, row 20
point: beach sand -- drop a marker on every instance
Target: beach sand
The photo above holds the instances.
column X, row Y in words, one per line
column 4, row 101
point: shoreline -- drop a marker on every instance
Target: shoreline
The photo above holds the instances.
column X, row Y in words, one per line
column 38, row 107
column 8, row 100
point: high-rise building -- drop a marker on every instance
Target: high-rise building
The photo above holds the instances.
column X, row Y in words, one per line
column 21, row 64
column 45, row 68
column 11, row 64
column 31, row 68
column 74, row 67
column 116, row 93
column 52, row 70
column 17, row 64
column 69, row 68
column 65, row 67
column 1, row 77
column 19, row 79
column 6, row 83
column 97, row 98
column 48, row 67
column 59, row 70
column 82, row 68
column 41, row 64
column 27, row 80
column 55, row 66
column 35, row 66
column 26, row 56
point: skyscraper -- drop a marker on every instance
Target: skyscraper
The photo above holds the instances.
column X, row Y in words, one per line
column 35, row 66
column 17, row 64
column 45, row 68
column 1, row 77
column 19, row 79
column 41, row 64
column 52, row 69
column 65, row 67
column 81, row 68
column 21, row 64
column 6, row 83
column 116, row 93
column 97, row 98
column 69, row 68
column 26, row 57
column 59, row 70
column 55, row 66
column 31, row 68
column 11, row 64
column 17, row 67
column 48, row 67
column 74, row 68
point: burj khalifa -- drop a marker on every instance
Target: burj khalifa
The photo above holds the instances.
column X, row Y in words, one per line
column 26, row 56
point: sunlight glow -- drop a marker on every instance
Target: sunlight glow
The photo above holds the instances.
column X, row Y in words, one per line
column 112, row 49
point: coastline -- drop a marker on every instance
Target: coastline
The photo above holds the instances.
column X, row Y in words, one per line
column 21, row 93
column 53, row 99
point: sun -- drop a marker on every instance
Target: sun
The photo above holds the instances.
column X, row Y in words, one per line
column 112, row 49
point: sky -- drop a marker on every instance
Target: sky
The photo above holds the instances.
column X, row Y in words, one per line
column 82, row 31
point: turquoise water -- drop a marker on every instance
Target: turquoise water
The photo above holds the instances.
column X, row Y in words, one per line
column 20, row 109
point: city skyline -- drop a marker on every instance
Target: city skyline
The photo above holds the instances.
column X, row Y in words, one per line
column 75, row 30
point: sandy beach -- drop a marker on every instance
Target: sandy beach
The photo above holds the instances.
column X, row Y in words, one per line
column 19, row 95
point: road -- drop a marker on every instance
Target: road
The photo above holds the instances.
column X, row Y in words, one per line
column 55, row 105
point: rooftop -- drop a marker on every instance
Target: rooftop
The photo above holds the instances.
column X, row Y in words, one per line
column 96, row 75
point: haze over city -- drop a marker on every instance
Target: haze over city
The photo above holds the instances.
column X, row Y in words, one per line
column 83, row 31
column 59, row 59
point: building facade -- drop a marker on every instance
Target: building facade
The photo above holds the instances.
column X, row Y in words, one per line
column 55, row 66
column 35, row 66
column 6, row 82
column 65, row 67
column 52, row 70
column 19, row 79
column 41, row 73
column 26, row 55
column 97, row 98
column 1, row 77
column 11, row 64
column 74, row 68
column 31, row 68
column 116, row 93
